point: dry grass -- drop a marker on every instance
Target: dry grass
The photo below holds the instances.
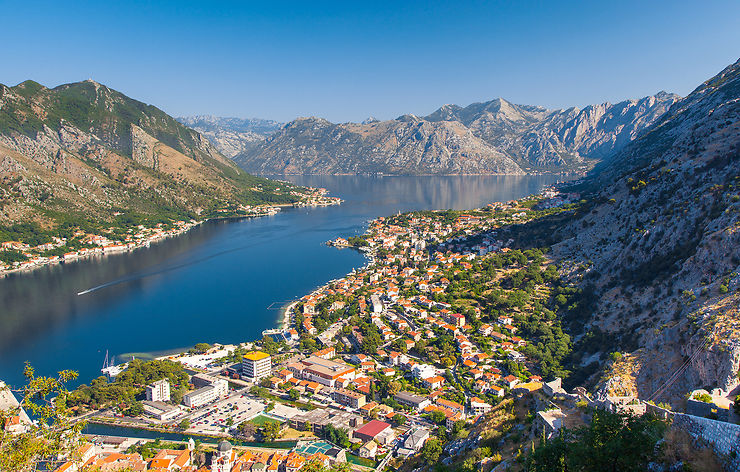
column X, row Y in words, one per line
column 679, row 446
column 623, row 375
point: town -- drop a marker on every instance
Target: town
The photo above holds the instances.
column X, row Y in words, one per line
column 445, row 343
column 129, row 235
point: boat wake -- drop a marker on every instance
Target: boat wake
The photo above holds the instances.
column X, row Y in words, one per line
column 184, row 264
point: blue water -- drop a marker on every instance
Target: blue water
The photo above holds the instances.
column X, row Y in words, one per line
column 221, row 282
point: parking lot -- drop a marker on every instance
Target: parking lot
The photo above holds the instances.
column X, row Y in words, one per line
column 213, row 418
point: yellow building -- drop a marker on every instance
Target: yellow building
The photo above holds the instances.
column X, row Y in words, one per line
column 256, row 365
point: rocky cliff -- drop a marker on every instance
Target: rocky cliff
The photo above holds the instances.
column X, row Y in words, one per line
column 83, row 152
column 657, row 246
column 495, row 137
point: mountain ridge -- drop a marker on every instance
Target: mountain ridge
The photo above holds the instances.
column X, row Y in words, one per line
column 504, row 138
column 656, row 246
column 85, row 151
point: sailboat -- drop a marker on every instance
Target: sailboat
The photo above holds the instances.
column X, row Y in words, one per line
column 110, row 368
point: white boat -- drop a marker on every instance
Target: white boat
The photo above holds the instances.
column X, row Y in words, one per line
column 110, row 369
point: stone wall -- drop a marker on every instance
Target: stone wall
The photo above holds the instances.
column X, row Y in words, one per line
column 724, row 437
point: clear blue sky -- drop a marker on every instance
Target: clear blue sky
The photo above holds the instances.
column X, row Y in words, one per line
column 349, row 60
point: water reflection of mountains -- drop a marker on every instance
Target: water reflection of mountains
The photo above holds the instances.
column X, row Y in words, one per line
column 439, row 192
column 35, row 302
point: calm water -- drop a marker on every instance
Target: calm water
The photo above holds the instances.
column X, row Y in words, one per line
column 221, row 282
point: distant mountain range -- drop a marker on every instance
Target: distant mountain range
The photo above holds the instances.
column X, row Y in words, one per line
column 495, row 137
column 83, row 152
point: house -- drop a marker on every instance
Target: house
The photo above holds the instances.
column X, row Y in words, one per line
column 511, row 381
column 451, row 405
column 328, row 353
column 516, row 356
column 178, row 459
column 368, row 450
column 348, row 398
column 457, row 319
column 416, row 439
column 478, row 406
column 485, row 329
column 285, row 375
column 434, row 382
column 367, row 409
column 422, row 371
column 359, row 358
column 451, row 420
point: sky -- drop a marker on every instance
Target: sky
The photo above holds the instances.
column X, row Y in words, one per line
column 346, row 61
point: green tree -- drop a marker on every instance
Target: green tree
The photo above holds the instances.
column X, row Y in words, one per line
column 201, row 347
column 51, row 434
column 269, row 345
column 135, row 409
column 611, row 443
column 184, row 424
column 271, row 430
column 437, row 417
column 431, row 450
column 337, row 436
column 294, row 394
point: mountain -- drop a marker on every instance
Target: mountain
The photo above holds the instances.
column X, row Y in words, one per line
column 541, row 138
column 407, row 145
column 231, row 136
column 84, row 152
column 495, row 137
column 655, row 248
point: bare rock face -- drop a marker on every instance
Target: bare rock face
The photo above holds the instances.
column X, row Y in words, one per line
column 495, row 137
column 658, row 244
column 405, row 146
column 143, row 147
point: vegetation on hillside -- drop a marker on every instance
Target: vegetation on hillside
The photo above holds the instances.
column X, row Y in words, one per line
column 127, row 389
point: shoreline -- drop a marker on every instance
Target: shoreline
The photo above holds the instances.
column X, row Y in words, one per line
column 123, row 248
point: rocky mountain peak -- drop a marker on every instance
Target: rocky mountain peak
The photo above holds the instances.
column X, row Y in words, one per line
column 409, row 117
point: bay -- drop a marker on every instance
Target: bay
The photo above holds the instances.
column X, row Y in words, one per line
column 224, row 281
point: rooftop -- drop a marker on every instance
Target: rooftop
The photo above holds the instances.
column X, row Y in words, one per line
column 256, row 355
column 373, row 428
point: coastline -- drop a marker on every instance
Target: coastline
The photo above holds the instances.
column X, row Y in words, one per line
column 122, row 248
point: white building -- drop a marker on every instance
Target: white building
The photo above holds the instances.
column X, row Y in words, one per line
column 160, row 410
column 200, row 397
column 423, row 371
column 158, row 391
column 256, row 365
column 377, row 304
column 212, row 389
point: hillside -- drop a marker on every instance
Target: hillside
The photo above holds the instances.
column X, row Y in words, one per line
column 495, row 137
column 231, row 136
column 84, row 154
column 656, row 249
column 408, row 145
